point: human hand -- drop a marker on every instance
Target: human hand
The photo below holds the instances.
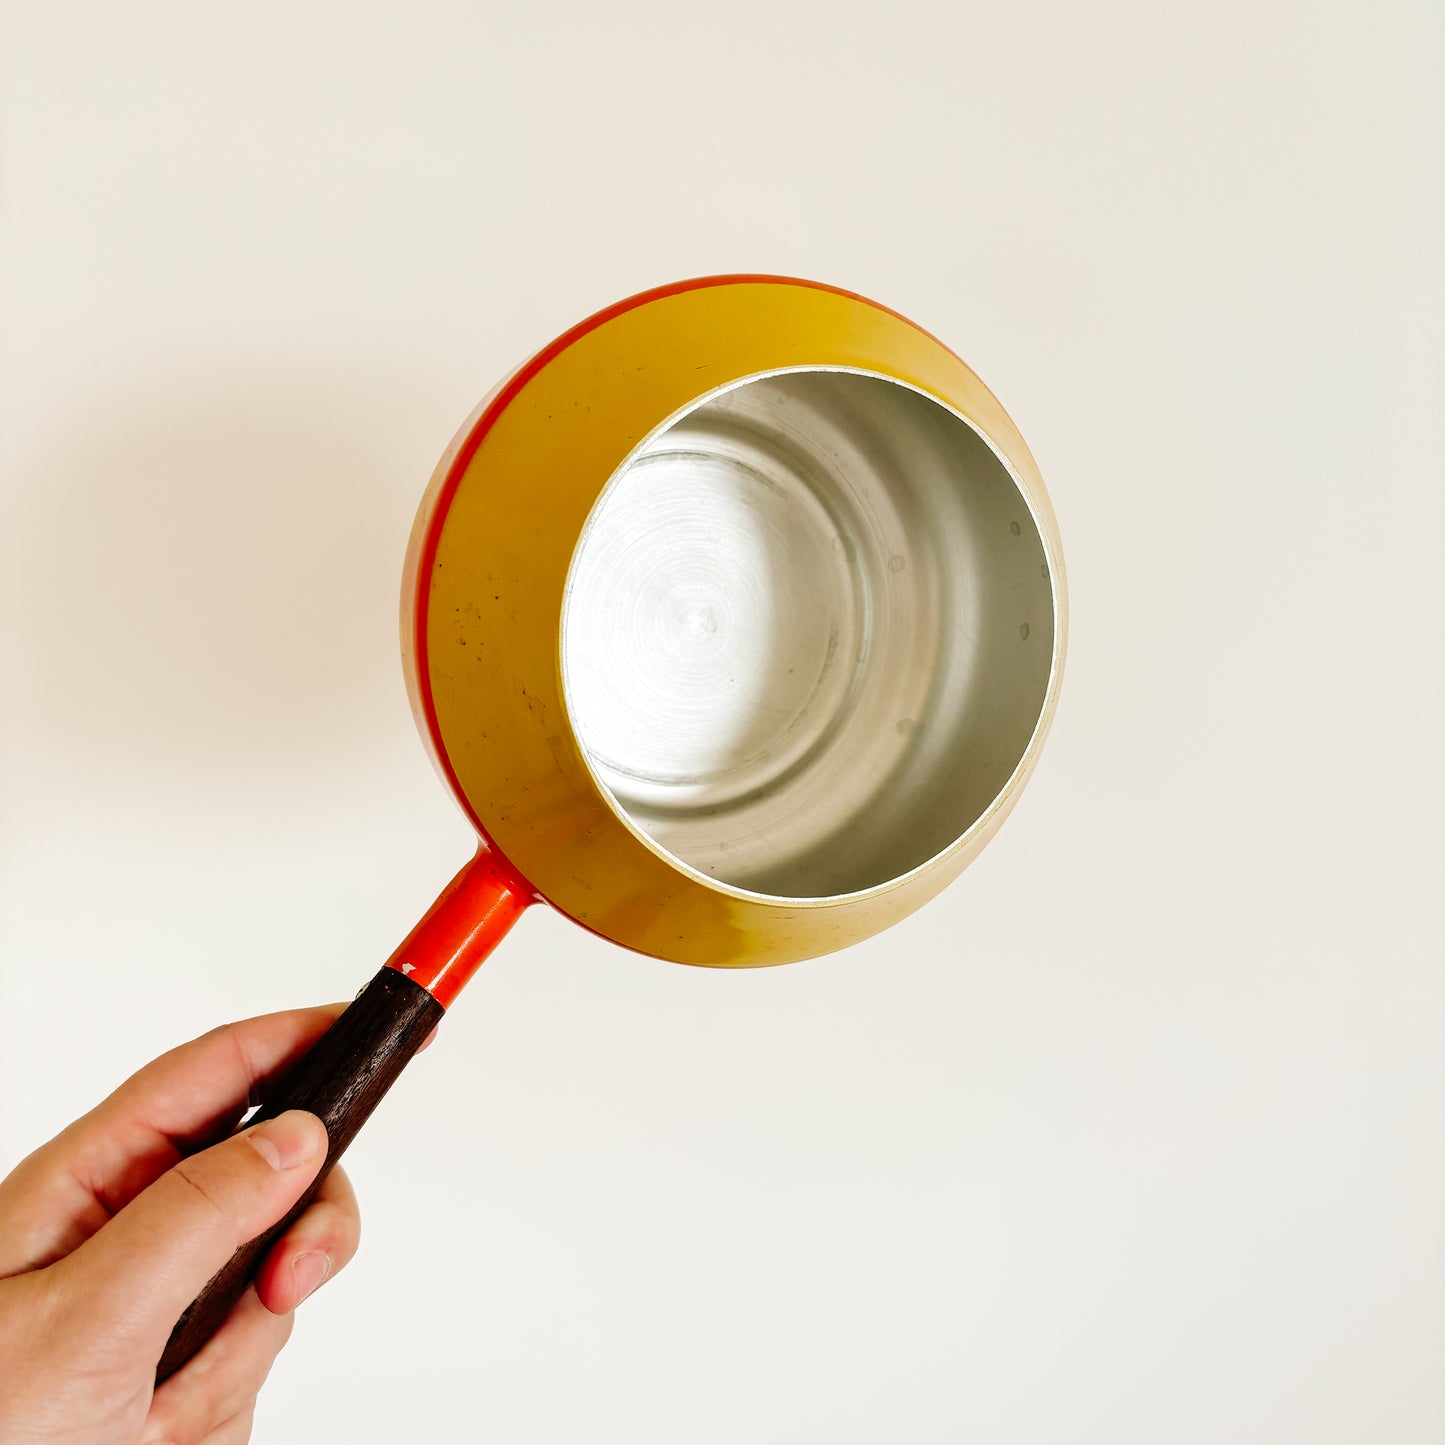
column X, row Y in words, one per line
column 110, row 1230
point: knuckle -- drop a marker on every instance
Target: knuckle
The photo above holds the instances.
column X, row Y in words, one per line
column 348, row 1221
column 191, row 1179
column 245, row 1372
column 325, row 1229
column 260, row 1365
column 245, row 1062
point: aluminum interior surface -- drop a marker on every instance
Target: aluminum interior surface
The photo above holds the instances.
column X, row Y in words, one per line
column 808, row 633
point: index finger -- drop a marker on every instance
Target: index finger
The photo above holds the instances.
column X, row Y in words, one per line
column 185, row 1093
column 69, row 1187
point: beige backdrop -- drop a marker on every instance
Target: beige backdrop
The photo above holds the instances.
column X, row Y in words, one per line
column 1136, row 1136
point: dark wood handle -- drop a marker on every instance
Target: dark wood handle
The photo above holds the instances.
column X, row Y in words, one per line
column 341, row 1081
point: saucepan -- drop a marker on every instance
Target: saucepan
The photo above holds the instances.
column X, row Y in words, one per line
column 734, row 620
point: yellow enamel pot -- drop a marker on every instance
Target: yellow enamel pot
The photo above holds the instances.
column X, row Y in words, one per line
column 501, row 543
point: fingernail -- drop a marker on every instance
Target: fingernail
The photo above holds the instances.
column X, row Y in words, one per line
column 286, row 1141
column 309, row 1272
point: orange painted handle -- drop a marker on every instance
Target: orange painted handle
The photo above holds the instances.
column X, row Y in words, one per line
column 469, row 919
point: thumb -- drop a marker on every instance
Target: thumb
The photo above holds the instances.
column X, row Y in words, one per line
column 148, row 1263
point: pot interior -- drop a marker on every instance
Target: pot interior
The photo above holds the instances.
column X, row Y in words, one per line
column 808, row 633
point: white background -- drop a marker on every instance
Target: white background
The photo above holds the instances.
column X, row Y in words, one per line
column 1138, row 1134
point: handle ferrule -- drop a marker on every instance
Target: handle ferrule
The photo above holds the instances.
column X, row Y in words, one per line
column 472, row 915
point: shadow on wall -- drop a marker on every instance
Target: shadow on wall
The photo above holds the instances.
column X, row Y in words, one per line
column 213, row 562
